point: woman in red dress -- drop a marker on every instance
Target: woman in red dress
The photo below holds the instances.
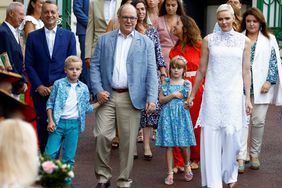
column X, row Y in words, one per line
column 189, row 46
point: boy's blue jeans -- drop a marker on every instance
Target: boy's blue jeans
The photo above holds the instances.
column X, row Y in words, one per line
column 68, row 131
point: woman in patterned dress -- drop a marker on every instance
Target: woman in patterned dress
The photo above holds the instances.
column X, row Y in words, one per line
column 149, row 121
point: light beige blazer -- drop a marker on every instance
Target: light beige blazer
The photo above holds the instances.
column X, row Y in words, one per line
column 96, row 24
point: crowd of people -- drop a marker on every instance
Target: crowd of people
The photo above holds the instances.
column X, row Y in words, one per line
column 146, row 72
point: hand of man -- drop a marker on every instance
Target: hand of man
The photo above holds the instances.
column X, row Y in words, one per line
column 43, row 91
column 23, row 89
column 265, row 87
column 103, row 97
column 150, row 107
column 87, row 62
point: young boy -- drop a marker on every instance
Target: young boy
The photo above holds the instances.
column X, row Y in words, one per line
column 66, row 109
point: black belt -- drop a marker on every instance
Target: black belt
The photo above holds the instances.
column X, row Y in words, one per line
column 122, row 90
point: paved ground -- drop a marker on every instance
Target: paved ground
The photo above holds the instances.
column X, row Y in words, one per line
column 151, row 174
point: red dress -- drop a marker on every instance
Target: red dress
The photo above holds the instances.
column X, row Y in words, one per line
column 192, row 55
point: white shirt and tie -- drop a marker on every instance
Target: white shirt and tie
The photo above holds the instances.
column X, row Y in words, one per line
column 50, row 38
column 119, row 80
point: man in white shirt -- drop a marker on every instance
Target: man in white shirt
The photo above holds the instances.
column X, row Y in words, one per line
column 124, row 79
column 100, row 13
column 9, row 42
column 46, row 51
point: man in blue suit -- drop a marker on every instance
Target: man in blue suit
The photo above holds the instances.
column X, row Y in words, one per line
column 10, row 43
column 46, row 51
column 80, row 10
column 124, row 79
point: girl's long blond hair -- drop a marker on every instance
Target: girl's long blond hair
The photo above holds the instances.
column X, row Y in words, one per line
column 19, row 160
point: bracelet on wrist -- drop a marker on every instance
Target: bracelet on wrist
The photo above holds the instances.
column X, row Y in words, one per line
column 163, row 75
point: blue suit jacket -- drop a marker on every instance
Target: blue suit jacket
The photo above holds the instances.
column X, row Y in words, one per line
column 41, row 68
column 9, row 44
column 140, row 65
column 80, row 10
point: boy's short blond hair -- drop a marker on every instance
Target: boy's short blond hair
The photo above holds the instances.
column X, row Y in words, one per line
column 72, row 59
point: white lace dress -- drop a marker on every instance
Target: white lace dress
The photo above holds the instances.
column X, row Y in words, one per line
column 223, row 103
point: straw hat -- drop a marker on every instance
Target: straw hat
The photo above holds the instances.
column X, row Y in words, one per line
column 9, row 76
column 10, row 105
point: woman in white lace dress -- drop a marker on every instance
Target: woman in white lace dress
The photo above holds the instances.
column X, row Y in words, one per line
column 225, row 64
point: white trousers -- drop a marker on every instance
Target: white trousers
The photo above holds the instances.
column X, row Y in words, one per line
column 219, row 150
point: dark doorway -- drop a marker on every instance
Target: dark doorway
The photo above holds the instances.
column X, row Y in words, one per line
column 197, row 10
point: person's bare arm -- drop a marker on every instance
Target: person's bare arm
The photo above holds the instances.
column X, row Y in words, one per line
column 28, row 27
column 110, row 26
column 51, row 124
column 201, row 72
column 247, row 75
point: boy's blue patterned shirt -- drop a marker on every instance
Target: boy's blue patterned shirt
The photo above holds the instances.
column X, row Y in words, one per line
column 59, row 95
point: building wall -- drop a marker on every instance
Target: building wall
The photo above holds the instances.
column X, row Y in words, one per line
column 3, row 5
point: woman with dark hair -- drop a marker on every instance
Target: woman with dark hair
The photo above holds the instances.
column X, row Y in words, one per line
column 149, row 121
column 32, row 20
column 189, row 46
column 265, row 82
column 170, row 12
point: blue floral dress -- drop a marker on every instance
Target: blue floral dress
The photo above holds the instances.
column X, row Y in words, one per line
column 175, row 126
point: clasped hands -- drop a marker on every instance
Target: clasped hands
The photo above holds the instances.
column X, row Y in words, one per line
column 188, row 103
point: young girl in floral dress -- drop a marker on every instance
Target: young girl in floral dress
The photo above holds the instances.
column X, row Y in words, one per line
column 175, row 126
